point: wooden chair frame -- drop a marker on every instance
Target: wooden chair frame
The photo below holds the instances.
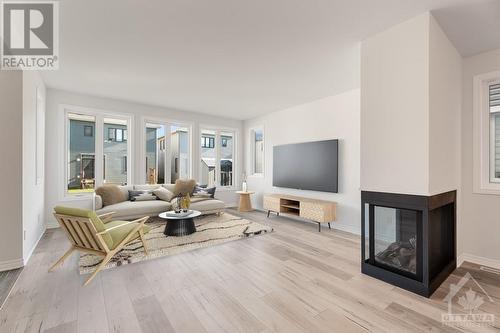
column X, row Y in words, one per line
column 84, row 237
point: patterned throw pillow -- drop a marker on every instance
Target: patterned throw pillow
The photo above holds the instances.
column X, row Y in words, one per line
column 141, row 196
column 183, row 187
column 110, row 194
column 163, row 194
column 203, row 191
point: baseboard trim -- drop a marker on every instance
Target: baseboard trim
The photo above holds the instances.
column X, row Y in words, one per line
column 11, row 264
column 52, row 225
column 493, row 263
column 25, row 260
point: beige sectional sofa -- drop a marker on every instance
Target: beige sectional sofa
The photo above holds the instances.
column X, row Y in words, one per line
column 134, row 209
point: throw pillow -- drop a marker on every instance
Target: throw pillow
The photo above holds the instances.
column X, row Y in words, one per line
column 184, row 187
column 163, row 194
column 141, row 196
column 204, row 191
column 110, row 194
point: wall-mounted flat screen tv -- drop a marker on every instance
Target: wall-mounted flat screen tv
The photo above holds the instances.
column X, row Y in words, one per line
column 307, row 166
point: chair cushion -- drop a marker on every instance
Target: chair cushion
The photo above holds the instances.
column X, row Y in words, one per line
column 96, row 221
column 119, row 234
column 137, row 208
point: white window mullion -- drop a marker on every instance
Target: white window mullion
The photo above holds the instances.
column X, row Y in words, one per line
column 217, row 158
column 99, row 150
column 168, row 155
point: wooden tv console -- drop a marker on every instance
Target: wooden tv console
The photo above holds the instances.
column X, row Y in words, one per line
column 318, row 211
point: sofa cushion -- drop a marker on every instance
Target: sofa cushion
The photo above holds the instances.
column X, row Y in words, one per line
column 119, row 234
column 146, row 187
column 184, row 186
column 170, row 187
column 137, row 208
column 96, row 221
column 125, row 189
column 163, row 194
column 110, row 194
column 210, row 205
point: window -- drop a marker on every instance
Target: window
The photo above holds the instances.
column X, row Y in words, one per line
column 226, row 159
column 81, row 153
column 486, row 133
column 217, row 158
column 168, row 152
column 94, row 154
column 257, row 148
column 155, row 153
column 179, row 157
column 116, row 134
column 114, row 149
column 207, row 141
column 208, row 158
column 88, row 130
column 494, row 110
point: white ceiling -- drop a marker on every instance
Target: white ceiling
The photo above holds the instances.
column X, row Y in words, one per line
column 239, row 58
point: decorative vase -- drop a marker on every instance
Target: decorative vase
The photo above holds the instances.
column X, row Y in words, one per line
column 244, row 186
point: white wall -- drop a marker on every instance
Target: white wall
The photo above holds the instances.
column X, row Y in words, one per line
column 335, row 117
column 479, row 230
column 33, row 192
column 410, row 110
column 445, row 103
column 394, row 109
column 55, row 138
column 11, row 169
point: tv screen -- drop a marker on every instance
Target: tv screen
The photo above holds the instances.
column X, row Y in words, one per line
column 307, row 166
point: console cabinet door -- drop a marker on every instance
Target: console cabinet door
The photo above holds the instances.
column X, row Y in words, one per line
column 272, row 203
column 317, row 211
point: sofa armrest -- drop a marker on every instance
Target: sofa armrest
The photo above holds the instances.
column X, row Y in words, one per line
column 97, row 202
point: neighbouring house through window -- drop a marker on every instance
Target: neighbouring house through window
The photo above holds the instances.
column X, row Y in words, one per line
column 217, row 158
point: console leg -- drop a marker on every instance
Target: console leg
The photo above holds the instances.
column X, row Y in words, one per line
column 268, row 213
column 277, row 213
column 329, row 226
column 319, row 227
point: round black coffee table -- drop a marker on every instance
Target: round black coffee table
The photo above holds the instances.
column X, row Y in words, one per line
column 179, row 225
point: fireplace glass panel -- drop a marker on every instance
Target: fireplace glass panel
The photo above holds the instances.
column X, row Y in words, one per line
column 395, row 240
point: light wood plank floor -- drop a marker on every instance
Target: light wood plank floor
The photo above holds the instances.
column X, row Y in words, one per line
column 293, row 280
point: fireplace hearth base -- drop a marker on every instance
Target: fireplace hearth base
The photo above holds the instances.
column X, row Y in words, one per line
column 409, row 240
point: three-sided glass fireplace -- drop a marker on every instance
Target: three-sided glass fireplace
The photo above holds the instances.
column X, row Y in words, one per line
column 408, row 240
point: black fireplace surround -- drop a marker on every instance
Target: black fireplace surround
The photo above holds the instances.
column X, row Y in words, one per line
column 409, row 240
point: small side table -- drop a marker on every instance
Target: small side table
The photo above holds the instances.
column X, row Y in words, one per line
column 245, row 203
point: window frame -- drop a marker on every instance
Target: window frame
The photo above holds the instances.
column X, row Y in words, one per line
column 218, row 130
column 251, row 159
column 99, row 115
column 168, row 123
column 483, row 183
